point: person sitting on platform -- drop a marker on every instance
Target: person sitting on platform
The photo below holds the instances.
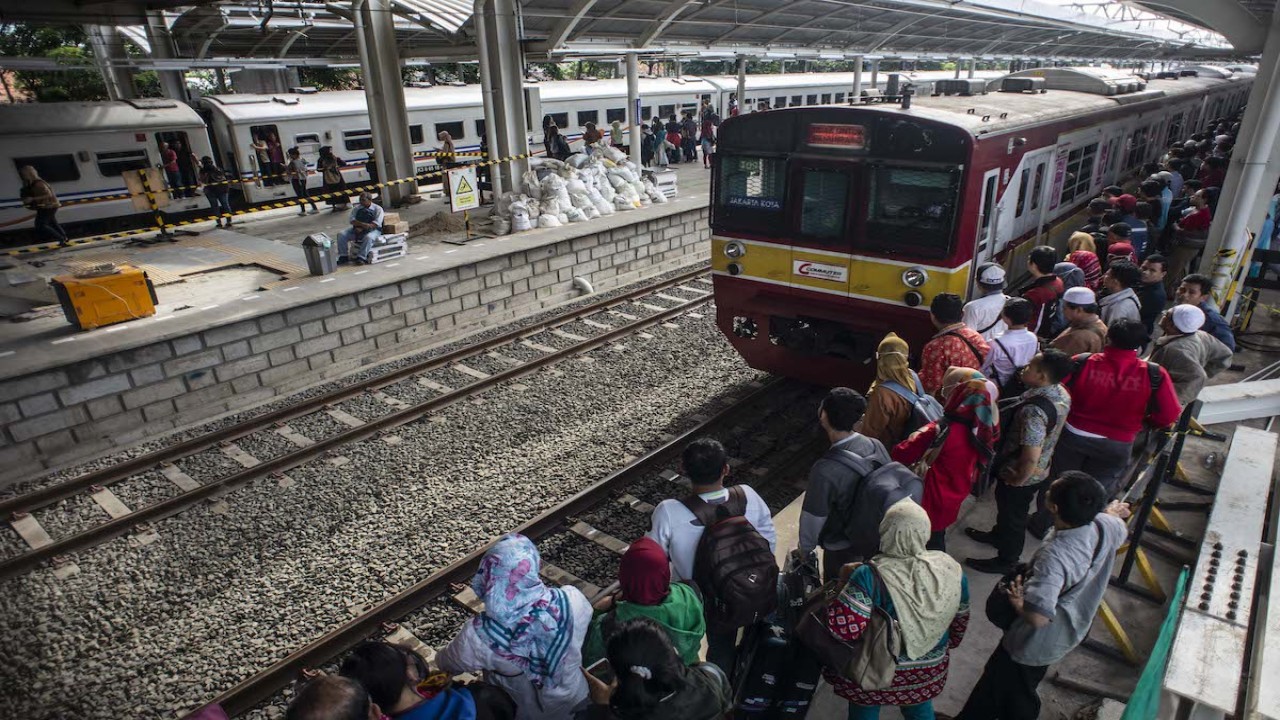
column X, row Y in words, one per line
column 366, row 228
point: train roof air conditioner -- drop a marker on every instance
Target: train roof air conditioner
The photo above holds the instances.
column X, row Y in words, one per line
column 964, row 87
column 1022, row 85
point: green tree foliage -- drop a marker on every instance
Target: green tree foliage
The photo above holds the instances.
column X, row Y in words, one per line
column 67, row 45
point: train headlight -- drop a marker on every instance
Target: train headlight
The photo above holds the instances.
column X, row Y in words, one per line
column 734, row 250
column 915, row 277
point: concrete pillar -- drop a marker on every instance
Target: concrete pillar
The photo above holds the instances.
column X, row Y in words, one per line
column 1254, row 169
column 973, row 65
column 875, row 74
column 172, row 82
column 509, row 135
column 487, row 90
column 742, row 85
column 384, row 95
column 118, row 79
column 634, row 136
column 957, row 69
column 857, row 78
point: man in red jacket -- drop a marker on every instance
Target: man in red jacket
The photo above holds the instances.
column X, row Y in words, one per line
column 1044, row 292
column 1114, row 395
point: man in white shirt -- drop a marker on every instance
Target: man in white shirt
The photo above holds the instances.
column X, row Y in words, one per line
column 1015, row 348
column 983, row 313
column 678, row 530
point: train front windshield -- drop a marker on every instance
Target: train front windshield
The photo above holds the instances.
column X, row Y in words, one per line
column 870, row 183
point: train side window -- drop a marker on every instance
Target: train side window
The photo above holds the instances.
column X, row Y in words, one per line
column 826, row 98
column 306, row 138
column 1024, row 185
column 114, row 164
column 560, row 119
column 356, row 140
column 796, row 100
column 415, row 134
column 824, row 202
column 988, row 203
column 1037, row 188
column 811, row 100
column 619, row 114
column 588, row 116
column 839, row 98
column 480, row 128
column 912, row 207
column 666, row 111
column 1079, row 173
column 646, row 112
column 780, row 102
column 456, row 130
column 52, row 168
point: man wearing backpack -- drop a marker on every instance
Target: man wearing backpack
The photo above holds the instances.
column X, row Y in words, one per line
column 733, row 564
column 835, row 476
column 1031, row 424
column 1014, row 349
column 1045, row 290
column 1114, row 394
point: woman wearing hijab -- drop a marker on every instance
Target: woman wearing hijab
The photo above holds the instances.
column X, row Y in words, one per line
column 926, row 592
column 888, row 410
column 646, row 590
column 960, row 442
column 1083, row 253
column 528, row 640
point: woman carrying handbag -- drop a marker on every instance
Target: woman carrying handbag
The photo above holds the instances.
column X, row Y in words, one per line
column 948, row 454
column 922, row 595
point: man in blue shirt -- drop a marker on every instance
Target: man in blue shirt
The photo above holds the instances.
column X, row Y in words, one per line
column 1197, row 289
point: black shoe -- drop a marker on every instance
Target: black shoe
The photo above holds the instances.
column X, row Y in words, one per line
column 1037, row 529
column 994, row 566
column 986, row 537
column 343, row 259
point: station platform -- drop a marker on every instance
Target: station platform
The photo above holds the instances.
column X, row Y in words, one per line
column 240, row 321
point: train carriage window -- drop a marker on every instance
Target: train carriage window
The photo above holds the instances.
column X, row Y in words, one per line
column 750, row 193
column 456, row 130
column 839, row 98
column 588, row 116
column 666, row 111
column 988, row 203
column 780, row 102
column 912, row 208
column 797, row 100
column 826, row 98
column 1079, row 173
column 356, row 140
column 480, row 128
column 811, row 100
column 1024, row 185
column 824, row 201
column 646, row 112
column 1037, row 189
column 306, row 138
column 114, row 164
column 52, row 168
column 560, row 119
column 415, row 135
column 619, row 114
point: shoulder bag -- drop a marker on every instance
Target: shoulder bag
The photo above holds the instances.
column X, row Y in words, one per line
column 871, row 661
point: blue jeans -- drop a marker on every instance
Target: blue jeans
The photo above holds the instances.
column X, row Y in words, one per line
column 923, row 711
column 366, row 242
column 220, row 202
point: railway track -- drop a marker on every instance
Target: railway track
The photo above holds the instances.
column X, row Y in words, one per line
column 566, row 526
column 369, row 408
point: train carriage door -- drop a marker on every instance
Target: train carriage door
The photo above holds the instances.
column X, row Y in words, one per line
column 988, row 214
column 822, row 199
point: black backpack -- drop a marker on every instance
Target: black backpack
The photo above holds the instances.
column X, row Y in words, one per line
column 1013, row 387
column 856, row 513
column 1009, row 410
column 734, row 566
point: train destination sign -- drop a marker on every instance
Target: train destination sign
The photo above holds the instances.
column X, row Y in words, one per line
column 830, row 135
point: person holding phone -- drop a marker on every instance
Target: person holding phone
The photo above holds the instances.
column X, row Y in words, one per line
column 651, row 682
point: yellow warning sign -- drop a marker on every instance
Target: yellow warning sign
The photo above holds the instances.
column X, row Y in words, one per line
column 462, row 189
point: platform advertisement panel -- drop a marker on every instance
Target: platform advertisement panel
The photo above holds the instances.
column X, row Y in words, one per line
column 464, row 193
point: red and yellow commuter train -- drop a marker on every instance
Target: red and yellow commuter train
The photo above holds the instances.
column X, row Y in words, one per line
column 834, row 225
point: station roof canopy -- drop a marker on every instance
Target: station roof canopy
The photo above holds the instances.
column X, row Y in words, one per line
column 317, row 32
column 1243, row 23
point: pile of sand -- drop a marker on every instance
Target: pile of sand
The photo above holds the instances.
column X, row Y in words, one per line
column 441, row 222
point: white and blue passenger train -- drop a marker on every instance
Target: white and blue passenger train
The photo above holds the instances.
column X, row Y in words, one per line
column 83, row 149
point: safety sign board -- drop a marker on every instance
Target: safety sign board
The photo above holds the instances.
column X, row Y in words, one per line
column 464, row 192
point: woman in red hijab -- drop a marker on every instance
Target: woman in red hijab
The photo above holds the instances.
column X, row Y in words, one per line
column 646, row 590
column 959, row 445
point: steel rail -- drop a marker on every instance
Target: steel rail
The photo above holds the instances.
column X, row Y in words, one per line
column 249, row 692
column 165, row 508
column 105, row 477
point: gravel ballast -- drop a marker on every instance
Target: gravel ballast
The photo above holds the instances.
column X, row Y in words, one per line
column 152, row 631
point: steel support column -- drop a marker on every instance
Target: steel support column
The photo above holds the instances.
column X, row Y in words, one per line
column 118, row 79
column 487, row 91
column 172, row 82
column 509, row 137
column 634, row 137
column 381, row 69
column 857, row 78
column 875, row 74
column 973, row 65
column 1254, row 168
column 742, row 85
column 957, row 69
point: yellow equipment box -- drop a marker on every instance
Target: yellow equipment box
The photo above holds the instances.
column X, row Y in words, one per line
column 105, row 295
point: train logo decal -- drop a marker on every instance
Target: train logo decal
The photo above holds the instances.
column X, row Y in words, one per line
column 820, row 271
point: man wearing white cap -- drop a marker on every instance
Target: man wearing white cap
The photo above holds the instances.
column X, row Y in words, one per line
column 983, row 313
column 1191, row 355
column 1085, row 333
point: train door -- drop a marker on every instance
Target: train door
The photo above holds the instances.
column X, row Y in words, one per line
column 822, row 199
column 1029, row 198
column 987, row 223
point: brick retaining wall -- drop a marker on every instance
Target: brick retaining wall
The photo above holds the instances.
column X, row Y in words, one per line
column 56, row 417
